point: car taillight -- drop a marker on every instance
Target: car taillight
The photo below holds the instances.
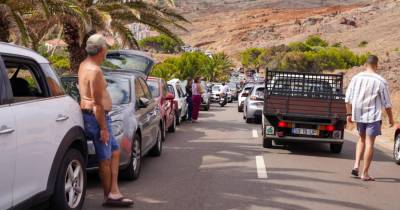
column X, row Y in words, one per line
column 330, row 128
column 283, row 124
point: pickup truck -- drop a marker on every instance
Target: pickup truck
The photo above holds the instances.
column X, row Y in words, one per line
column 304, row 107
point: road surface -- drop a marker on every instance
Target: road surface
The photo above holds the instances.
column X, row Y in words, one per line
column 219, row 164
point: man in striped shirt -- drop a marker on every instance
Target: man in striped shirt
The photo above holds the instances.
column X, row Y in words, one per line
column 366, row 96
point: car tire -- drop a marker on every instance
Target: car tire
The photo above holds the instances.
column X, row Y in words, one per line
column 207, row 107
column 73, row 162
column 172, row 128
column 396, row 149
column 157, row 148
column 267, row 143
column 132, row 172
column 249, row 120
column 336, row 148
column 163, row 131
column 239, row 109
column 178, row 118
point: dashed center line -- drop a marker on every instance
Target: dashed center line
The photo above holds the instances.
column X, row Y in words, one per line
column 255, row 133
column 261, row 169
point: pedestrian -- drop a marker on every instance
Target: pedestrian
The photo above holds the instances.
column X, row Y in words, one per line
column 366, row 95
column 197, row 91
column 189, row 98
column 95, row 104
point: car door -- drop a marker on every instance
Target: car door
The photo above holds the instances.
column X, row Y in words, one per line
column 8, row 141
column 152, row 112
column 36, row 116
column 142, row 115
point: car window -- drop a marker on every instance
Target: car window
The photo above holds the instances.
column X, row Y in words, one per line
column 259, row 92
column 119, row 90
column 154, row 88
column 171, row 89
column 24, row 78
column 146, row 90
column 127, row 62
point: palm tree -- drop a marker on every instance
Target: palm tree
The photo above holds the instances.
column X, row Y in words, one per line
column 112, row 17
column 220, row 66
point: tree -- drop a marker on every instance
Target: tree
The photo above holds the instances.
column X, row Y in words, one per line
column 164, row 70
column 251, row 58
column 191, row 65
column 316, row 41
column 219, row 67
column 160, row 43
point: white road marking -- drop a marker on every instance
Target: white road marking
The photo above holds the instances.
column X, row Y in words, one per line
column 261, row 169
column 255, row 133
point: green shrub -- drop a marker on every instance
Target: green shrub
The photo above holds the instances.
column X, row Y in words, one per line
column 363, row 44
column 160, row 43
column 299, row 46
column 316, row 41
column 60, row 63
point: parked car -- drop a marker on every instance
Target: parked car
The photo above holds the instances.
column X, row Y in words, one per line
column 396, row 149
column 234, row 90
column 180, row 98
column 304, row 107
column 135, row 119
column 215, row 90
column 165, row 99
column 243, row 95
column 41, row 134
column 254, row 104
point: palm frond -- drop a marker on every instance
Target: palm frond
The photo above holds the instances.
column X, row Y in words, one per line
column 22, row 27
column 126, row 35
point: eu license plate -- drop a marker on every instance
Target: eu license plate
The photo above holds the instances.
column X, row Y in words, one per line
column 305, row 131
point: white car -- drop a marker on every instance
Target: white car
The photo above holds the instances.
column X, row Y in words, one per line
column 175, row 87
column 43, row 149
column 243, row 95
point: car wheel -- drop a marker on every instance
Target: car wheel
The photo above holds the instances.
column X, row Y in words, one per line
column 249, row 120
column 336, row 148
column 172, row 128
column 133, row 170
column 70, row 186
column 267, row 143
column 157, row 149
column 178, row 118
column 207, row 107
column 396, row 150
column 163, row 131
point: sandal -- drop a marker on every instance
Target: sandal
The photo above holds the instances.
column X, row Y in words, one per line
column 354, row 172
column 367, row 179
column 120, row 202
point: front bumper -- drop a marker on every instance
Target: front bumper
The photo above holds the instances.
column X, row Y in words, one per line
column 304, row 139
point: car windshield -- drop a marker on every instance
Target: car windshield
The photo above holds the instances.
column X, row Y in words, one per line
column 127, row 62
column 215, row 88
column 232, row 85
column 154, row 87
column 119, row 89
column 259, row 92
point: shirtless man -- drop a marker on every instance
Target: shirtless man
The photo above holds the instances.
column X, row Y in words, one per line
column 95, row 105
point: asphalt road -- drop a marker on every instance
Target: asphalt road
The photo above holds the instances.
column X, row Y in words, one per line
column 213, row 165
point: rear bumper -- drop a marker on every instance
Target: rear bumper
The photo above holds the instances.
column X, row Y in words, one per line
column 304, row 139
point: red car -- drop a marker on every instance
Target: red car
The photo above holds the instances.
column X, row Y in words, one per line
column 396, row 149
column 165, row 99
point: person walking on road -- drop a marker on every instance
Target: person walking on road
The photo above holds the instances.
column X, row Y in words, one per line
column 95, row 104
column 196, row 98
column 189, row 98
column 366, row 95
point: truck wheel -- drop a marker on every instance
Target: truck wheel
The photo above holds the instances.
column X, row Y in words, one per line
column 336, row 148
column 132, row 172
column 70, row 186
column 396, row 150
column 267, row 143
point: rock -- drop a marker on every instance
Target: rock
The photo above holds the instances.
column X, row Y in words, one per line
column 348, row 21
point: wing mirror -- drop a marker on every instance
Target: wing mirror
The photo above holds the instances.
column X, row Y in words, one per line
column 170, row 96
column 143, row 103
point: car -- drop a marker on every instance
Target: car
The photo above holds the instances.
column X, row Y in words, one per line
column 234, row 90
column 175, row 87
column 243, row 95
column 165, row 99
column 396, row 148
column 43, row 150
column 254, row 104
column 135, row 119
column 304, row 107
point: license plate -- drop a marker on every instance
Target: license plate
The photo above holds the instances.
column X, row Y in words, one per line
column 305, row 131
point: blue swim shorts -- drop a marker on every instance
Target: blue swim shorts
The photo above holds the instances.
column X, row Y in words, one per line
column 92, row 129
column 370, row 129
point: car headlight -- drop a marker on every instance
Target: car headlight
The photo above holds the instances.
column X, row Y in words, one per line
column 117, row 128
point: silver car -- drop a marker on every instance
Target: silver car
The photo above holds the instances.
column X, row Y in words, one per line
column 254, row 104
column 136, row 120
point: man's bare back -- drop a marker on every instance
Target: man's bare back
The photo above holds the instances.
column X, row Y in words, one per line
column 92, row 87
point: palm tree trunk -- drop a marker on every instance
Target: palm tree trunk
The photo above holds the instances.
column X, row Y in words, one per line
column 76, row 50
column 5, row 24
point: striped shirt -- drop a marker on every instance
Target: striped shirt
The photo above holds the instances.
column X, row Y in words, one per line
column 368, row 93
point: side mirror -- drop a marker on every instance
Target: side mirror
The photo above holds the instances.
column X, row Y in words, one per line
column 143, row 102
column 170, row 96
